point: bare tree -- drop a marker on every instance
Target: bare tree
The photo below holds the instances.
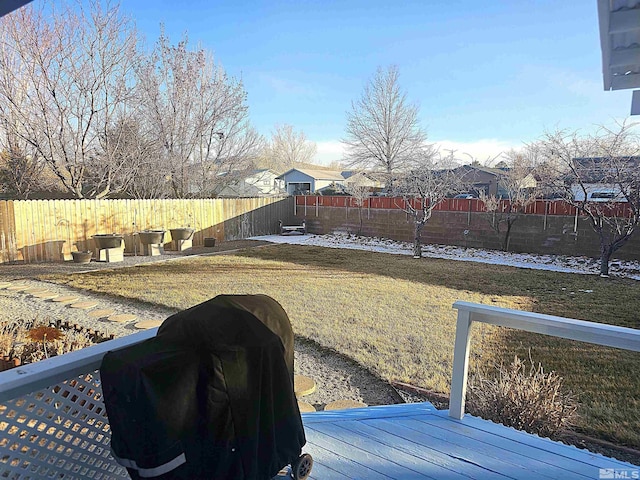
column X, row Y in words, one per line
column 336, row 165
column 67, row 74
column 132, row 154
column 608, row 162
column 150, row 181
column 199, row 117
column 288, row 148
column 424, row 188
column 235, row 159
column 382, row 127
column 517, row 189
column 21, row 175
column 358, row 187
column 22, row 170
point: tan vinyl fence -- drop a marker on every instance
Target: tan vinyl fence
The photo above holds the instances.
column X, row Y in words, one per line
column 49, row 230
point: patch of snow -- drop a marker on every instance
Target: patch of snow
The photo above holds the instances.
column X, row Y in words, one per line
column 557, row 263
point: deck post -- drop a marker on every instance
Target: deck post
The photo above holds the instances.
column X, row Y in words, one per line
column 460, row 364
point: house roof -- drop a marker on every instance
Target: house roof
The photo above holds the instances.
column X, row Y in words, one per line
column 599, row 169
column 246, row 173
column 316, row 174
column 258, row 171
column 633, row 160
column 346, row 174
column 491, row 171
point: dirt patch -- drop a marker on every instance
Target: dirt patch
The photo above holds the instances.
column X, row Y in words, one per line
column 340, row 378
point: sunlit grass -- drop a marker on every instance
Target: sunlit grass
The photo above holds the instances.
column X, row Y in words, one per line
column 393, row 315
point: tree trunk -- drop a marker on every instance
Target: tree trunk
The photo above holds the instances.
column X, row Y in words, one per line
column 417, row 243
column 605, row 256
column 507, row 237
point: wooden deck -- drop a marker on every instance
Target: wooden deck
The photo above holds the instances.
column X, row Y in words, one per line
column 416, row 441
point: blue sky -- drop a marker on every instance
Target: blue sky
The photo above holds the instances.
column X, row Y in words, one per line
column 487, row 75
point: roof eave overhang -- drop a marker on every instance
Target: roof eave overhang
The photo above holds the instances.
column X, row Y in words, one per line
column 8, row 6
column 620, row 45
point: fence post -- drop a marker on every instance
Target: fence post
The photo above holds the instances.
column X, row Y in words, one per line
column 460, row 365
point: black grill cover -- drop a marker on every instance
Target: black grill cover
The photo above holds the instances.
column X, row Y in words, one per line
column 210, row 397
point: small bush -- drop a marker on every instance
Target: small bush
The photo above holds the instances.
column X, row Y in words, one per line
column 526, row 399
column 35, row 340
column 72, row 341
column 6, row 343
column 10, row 333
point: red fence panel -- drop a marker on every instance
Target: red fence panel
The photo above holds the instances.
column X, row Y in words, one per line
column 559, row 207
column 539, row 207
column 619, row 210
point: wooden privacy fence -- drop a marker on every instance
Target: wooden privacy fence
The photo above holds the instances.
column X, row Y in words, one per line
column 49, row 230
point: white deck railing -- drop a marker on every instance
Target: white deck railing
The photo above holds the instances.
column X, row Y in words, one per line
column 590, row 332
column 53, row 423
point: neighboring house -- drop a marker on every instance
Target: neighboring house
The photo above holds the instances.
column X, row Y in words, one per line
column 364, row 179
column 301, row 181
column 598, row 192
column 595, row 169
column 255, row 183
column 480, row 179
column 489, row 180
column 601, row 177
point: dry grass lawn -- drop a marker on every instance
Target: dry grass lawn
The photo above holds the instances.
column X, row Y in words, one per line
column 393, row 314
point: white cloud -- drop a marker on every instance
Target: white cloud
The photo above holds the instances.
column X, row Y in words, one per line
column 483, row 150
column 328, row 151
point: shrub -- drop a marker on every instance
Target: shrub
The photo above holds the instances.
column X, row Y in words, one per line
column 34, row 340
column 10, row 333
column 72, row 341
column 526, row 399
column 6, row 342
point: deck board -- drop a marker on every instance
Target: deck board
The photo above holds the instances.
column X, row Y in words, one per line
column 416, row 441
column 347, row 463
column 474, row 463
column 322, row 472
column 520, row 456
column 399, row 452
column 531, row 449
column 570, row 453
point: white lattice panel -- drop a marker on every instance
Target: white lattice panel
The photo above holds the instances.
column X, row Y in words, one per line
column 60, row 432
